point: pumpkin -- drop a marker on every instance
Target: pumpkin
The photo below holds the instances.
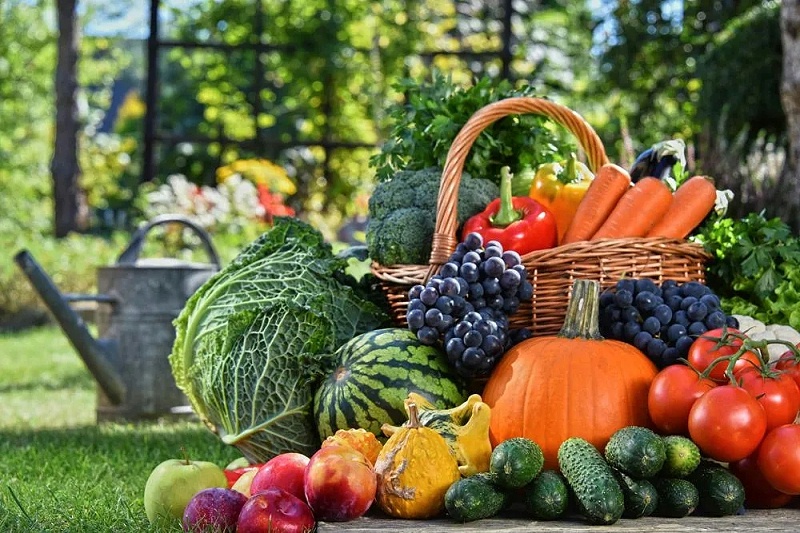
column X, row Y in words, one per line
column 465, row 427
column 414, row 470
column 574, row 384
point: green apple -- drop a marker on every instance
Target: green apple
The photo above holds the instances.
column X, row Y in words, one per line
column 173, row 483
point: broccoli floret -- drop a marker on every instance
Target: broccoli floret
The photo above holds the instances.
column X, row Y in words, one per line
column 417, row 190
column 402, row 238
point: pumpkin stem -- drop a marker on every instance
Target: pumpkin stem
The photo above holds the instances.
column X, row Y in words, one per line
column 583, row 311
column 413, row 415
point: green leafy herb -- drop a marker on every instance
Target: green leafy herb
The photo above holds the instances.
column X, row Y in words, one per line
column 425, row 125
column 756, row 267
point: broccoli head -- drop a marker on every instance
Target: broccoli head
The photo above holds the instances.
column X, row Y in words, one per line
column 404, row 237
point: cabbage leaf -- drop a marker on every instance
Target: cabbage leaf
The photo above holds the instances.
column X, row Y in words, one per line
column 251, row 342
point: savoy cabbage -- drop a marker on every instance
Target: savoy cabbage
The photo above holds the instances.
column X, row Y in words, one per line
column 251, row 342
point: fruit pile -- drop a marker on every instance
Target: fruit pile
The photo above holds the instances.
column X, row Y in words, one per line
column 466, row 305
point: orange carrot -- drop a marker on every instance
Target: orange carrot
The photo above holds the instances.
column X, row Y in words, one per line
column 639, row 209
column 693, row 200
column 608, row 186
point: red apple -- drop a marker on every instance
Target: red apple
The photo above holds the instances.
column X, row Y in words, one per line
column 340, row 484
column 213, row 510
column 284, row 471
column 276, row 511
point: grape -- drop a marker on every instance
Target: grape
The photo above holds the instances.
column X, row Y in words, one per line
column 697, row 311
column 696, row 329
column 525, row 290
column 630, row 330
column 491, row 286
column 655, row 348
column 647, row 285
column 630, row 314
column 711, row 301
column 683, row 344
column 674, row 301
column 669, row 284
column 687, row 302
column 670, row 355
column 472, row 356
column 694, row 288
column 463, row 286
column 732, row 322
column 511, row 258
column 492, row 346
column 675, row 332
column 415, row 291
column 455, row 346
column 627, row 285
column 471, row 257
column 624, row 298
column 462, row 328
column 473, row 241
column 518, row 335
column 493, row 244
column 663, row 313
column 415, row 319
column 715, row 319
column 494, row 267
column 445, row 304
column 473, row 338
column 417, row 304
column 428, row 335
column 446, row 323
column 617, row 331
column 651, row 325
column 642, row 339
column 607, row 297
column 645, row 301
column 510, row 279
column 511, row 305
column 475, row 290
column 449, row 270
column 449, row 287
column 495, row 301
column 485, row 327
column 680, row 317
column 433, row 317
column 494, row 252
column 429, row 296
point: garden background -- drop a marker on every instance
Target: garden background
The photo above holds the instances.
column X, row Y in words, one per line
column 270, row 107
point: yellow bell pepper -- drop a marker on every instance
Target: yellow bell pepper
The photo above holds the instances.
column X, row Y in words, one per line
column 560, row 187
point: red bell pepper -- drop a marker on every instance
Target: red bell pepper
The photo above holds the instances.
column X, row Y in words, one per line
column 518, row 223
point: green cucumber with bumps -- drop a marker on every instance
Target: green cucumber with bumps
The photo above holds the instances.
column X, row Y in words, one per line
column 547, row 496
column 591, row 478
column 474, row 498
column 636, row 451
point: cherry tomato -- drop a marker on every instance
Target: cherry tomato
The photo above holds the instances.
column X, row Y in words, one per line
column 789, row 365
column 672, row 394
column 758, row 492
column 779, row 458
column 778, row 395
column 706, row 348
column 727, row 423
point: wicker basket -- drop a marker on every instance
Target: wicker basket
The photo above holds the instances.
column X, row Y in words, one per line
column 552, row 271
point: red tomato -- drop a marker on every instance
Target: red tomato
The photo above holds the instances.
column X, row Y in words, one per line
column 779, row 458
column 706, row 348
column 672, row 394
column 778, row 395
column 727, row 423
column 789, row 365
column 758, row 492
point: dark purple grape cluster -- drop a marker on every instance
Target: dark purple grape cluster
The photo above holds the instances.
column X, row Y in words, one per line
column 660, row 320
column 466, row 305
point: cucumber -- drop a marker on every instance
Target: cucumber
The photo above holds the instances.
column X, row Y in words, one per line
column 721, row 492
column 641, row 497
column 597, row 491
column 636, row 451
column 515, row 462
column 547, row 496
column 677, row 497
column 683, row 456
column 474, row 498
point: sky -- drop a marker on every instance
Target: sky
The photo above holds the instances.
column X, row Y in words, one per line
column 126, row 18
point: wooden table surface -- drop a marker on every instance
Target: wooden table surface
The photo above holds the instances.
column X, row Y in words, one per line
column 752, row 521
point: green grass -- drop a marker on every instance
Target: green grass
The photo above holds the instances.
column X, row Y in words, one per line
column 59, row 470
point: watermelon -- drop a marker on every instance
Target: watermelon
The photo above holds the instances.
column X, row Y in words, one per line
column 373, row 374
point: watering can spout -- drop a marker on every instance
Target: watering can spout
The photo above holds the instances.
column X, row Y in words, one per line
column 96, row 354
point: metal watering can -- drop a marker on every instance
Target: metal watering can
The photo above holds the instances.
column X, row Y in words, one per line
column 138, row 300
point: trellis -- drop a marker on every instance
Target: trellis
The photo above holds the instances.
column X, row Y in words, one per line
column 154, row 136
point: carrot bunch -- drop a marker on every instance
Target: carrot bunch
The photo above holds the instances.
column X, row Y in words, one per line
column 614, row 208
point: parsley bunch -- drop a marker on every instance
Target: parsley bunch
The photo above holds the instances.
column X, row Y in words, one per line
column 426, row 123
column 756, row 267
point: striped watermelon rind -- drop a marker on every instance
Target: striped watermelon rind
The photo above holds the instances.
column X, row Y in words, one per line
column 374, row 373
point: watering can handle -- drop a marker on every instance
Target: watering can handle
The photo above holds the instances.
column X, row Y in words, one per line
column 131, row 253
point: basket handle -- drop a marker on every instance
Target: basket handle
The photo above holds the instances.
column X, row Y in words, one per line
column 444, row 235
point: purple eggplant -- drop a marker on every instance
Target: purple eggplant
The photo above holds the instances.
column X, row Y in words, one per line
column 659, row 161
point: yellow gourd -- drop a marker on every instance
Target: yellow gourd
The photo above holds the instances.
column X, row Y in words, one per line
column 414, row 470
column 464, row 427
